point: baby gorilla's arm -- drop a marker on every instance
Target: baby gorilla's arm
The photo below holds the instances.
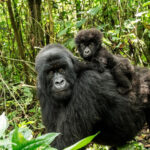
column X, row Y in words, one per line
column 123, row 72
column 83, row 66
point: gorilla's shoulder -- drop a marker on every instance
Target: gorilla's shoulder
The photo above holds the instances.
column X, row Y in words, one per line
column 95, row 75
column 99, row 80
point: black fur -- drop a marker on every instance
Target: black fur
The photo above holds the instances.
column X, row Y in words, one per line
column 91, row 41
column 141, row 84
column 93, row 105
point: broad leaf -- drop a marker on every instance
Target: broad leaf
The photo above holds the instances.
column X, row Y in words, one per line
column 63, row 32
column 80, row 23
column 146, row 4
column 20, row 143
column 94, row 11
column 141, row 13
column 82, row 143
column 3, row 124
column 70, row 43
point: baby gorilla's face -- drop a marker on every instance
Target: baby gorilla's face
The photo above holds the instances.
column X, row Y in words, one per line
column 87, row 51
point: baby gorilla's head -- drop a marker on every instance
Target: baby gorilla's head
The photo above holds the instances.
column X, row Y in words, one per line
column 88, row 43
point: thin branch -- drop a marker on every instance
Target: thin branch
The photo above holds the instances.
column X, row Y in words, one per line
column 17, row 60
column 12, row 94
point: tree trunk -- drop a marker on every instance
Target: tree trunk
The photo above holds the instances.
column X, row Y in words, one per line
column 37, row 37
column 78, row 9
column 51, row 23
column 18, row 39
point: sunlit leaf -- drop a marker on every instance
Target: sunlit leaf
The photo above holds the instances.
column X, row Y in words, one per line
column 63, row 32
column 132, row 146
column 141, row 13
column 3, row 124
column 20, row 143
column 94, row 11
column 27, row 133
column 82, row 143
column 70, row 43
column 5, row 142
column 146, row 4
column 80, row 23
column 135, row 21
column 106, row 41
column 17, row 139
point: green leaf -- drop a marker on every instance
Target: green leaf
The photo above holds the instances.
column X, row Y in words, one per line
column 27, row 133
column 5, row 142
column 136, row 21
column 106, row 41
column 146, row 4
column 80, row 23
column 82, row 143
column 68, row 24
column 70, row 43
column 17, row 139
column 48, row 138
column 43, row 140
column 63, row 32
column 94, row 11
column 20, row 143
column 141, row 13
column 48, row 148
column 132, row 146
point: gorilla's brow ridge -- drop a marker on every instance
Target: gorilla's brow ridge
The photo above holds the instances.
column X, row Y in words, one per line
column 57, row 63
column 54, row 58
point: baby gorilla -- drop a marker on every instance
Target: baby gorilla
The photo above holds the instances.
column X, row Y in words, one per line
column 89, row 45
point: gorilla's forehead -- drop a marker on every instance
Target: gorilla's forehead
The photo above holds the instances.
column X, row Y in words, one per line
column 51, row 55
column 54, row 54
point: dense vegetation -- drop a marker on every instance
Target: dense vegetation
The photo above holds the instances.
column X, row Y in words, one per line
column 27, row 26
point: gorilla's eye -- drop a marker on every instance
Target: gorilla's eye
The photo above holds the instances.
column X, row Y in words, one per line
column 51, row 73
column 82, row 46
column 91, row 45
column 61, row 70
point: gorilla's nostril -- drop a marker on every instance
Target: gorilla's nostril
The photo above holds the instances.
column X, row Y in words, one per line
column 62, row 81
column 58, row 82
column 87, row 51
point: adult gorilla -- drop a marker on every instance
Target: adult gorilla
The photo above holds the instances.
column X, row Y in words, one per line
column 78, row 104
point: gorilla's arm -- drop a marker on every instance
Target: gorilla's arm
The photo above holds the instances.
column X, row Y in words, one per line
column 96, row 106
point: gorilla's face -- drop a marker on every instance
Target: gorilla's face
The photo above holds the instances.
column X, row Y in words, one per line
column 88, row 43
column 56, row 73
column 59, row 79
column 87, row 51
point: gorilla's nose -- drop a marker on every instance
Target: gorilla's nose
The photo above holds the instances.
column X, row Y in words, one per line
column 87, row 51
column 59, row 81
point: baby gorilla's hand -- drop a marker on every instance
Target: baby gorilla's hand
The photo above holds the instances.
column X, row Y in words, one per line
column 100, row 68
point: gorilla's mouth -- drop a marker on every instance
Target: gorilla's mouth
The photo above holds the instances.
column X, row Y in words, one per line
column 61, row 91
column 89, row 57
column 63, row 94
